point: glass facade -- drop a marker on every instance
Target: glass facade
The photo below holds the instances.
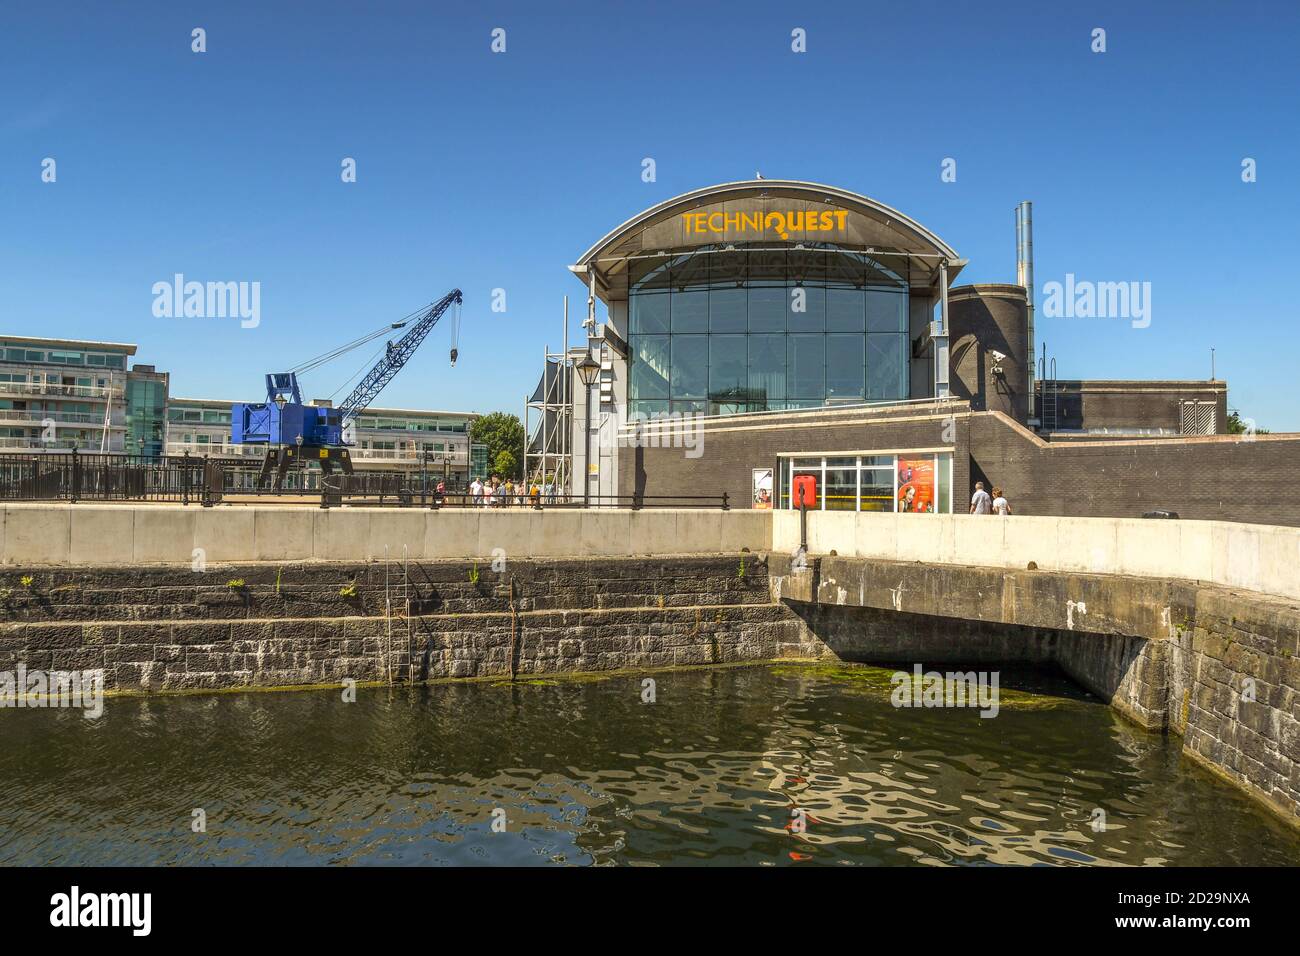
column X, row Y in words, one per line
column 723, row 330
column 146, row 403
column 908, row 484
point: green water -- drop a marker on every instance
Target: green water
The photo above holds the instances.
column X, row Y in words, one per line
column 587, row 773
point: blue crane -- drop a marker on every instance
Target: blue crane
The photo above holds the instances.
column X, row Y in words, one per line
column 292, row 430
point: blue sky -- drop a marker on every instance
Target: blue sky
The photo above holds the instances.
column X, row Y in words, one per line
column 484, row 170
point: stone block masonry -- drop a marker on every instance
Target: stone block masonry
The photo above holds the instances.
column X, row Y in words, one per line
column 1219, row 666
column 266, row 625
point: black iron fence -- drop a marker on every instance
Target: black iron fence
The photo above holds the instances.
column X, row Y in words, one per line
column 186, row 479
column 51, row 476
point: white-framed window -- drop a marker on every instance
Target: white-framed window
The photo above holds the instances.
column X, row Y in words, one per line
column 901, row 482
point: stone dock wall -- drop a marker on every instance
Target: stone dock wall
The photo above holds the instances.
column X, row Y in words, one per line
column 1218, row 666
column 263, row 625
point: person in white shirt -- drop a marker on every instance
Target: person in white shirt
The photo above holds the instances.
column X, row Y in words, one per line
column 476, row 491
column 980, row 502
column 1000, row 504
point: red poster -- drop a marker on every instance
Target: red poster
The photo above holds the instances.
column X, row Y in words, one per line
column 916, row 485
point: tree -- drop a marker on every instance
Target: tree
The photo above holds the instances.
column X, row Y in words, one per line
column 1239, row 426
column 507, row 464
column 504, row 436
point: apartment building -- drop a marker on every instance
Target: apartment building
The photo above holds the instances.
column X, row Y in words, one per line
column 61, row 394
column 385, row 438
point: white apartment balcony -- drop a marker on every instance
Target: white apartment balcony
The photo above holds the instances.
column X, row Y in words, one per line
column 360, row 456
column 90, row 392
column 456, row 456
column 12, row 445
column 23, row 416
column 215, row 449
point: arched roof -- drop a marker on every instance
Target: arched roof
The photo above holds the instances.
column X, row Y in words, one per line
column 871, row 223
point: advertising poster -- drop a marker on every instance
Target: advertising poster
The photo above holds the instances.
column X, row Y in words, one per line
column 762, row 488
column 916, row 485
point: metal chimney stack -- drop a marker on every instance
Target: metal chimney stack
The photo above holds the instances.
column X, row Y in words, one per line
column 1025, row 277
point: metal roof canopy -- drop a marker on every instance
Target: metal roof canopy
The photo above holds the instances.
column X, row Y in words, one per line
column 872, row 226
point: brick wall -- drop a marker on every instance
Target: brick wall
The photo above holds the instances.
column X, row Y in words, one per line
column 1216, row 477
column 731, row 448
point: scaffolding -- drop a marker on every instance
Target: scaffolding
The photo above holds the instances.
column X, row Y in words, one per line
column 548, row 420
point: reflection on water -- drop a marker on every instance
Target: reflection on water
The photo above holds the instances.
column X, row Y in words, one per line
column 588, row 774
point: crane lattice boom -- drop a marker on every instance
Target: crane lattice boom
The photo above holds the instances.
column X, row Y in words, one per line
column 395, row 356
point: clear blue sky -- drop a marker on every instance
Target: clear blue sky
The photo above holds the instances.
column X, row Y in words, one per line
column 480, row 171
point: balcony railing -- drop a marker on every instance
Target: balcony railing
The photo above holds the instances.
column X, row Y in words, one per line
column 59, row 418
column 59, row 444
column 110, row 392
column 215, row 449
column 407, row 455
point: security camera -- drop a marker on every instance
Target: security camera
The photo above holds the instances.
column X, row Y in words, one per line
column 998, row 357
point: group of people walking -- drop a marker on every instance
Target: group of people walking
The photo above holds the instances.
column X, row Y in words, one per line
column 495, row 493
column 982, row 503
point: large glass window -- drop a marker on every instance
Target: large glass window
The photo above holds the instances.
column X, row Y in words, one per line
column 845, row 372
column 749, row 328
column 886, row 367
column 806, row 366
column 728, row 373
column 907, row 484
column 727, row 310
column 690, row 311
column 650, row 367
column 767, row 370
column 767, row 308
column 649, row 313
column 689, row 377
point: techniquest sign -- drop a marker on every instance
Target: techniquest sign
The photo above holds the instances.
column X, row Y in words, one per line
column 782, row 223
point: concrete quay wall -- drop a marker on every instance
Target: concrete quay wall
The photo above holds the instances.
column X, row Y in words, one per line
column 1263, row 558
column 1218, row 666
column 120, row 535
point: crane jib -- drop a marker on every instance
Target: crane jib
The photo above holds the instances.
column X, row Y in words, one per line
column 290, row 428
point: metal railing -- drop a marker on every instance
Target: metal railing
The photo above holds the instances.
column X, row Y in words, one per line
column 58, row 417
column 541, row 502
column 78, row 476
column 98, row 392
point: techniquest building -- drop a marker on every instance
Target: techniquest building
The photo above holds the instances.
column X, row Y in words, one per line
column 759, row 330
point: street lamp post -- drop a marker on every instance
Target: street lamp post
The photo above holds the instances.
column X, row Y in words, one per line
column 588, row 369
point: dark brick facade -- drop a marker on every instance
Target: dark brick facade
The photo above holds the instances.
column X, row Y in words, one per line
column 732, row 447
column 1213, row 477
column 1132, row 406
column 1221, row 477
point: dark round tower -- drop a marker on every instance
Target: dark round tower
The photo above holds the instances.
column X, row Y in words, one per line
column 984, row 320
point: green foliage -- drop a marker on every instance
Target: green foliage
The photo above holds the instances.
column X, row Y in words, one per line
column 503, row 434
column 506, row 464
column 235, row 584
column 1236, row 426
column 473, row 574
column 348, row 590
column 26, row 580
